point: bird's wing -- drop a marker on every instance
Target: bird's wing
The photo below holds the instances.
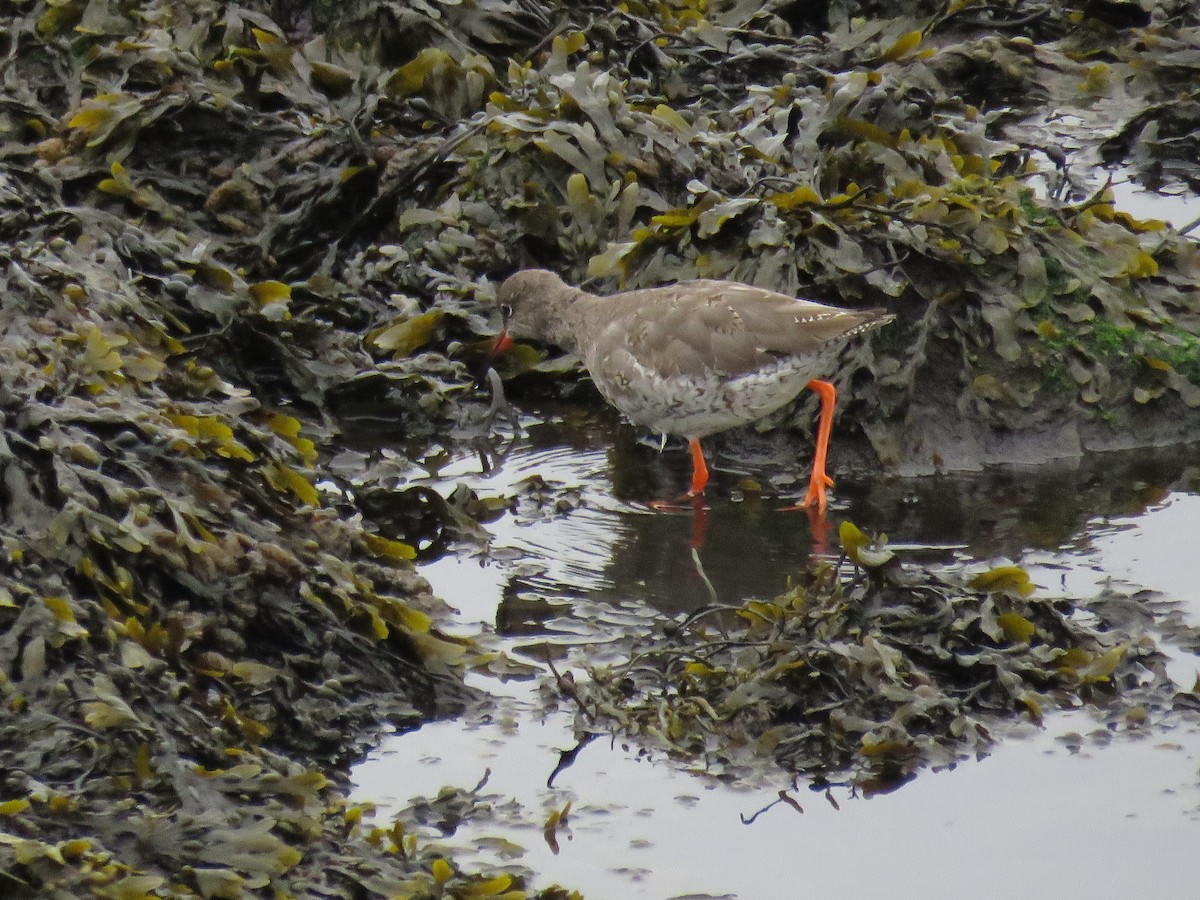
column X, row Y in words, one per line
column 719, row 327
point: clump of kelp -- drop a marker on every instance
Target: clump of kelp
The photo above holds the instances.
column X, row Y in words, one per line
column 230, row 229
column 192, row 632
column 869, row 671
column 198, row 629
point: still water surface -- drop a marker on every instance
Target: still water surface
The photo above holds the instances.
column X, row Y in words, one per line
column 1048, row 813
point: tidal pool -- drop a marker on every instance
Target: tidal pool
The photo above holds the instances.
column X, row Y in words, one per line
column 1068, row 809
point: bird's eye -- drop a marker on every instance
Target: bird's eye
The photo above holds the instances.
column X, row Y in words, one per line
column 506, row 311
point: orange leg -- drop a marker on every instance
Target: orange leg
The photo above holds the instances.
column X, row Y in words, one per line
column 699, row 469
column 819, row 480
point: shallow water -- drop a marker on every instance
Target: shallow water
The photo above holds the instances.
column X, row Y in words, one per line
column 1055, row 811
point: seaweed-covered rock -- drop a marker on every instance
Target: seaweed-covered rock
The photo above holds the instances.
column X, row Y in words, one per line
column 869, row 671
column 232, row 230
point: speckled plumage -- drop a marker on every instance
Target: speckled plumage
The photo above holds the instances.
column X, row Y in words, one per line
column 693, row 358
column 688, row 359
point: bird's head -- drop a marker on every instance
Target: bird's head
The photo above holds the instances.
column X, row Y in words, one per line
column 531, row 303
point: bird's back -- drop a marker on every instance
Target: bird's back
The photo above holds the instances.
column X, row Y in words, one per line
column 704, row 327
column 701, row 356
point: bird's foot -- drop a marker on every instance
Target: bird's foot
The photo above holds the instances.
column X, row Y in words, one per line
column 816, row 493
column 814, row 496
column 683, row 503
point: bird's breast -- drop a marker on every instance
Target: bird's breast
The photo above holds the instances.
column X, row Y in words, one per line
column 699, row 404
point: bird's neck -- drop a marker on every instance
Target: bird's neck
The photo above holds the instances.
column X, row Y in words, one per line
column 571, row 324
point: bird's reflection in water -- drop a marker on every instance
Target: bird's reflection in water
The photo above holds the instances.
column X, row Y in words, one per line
column 749, row 545
column 675, row 559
